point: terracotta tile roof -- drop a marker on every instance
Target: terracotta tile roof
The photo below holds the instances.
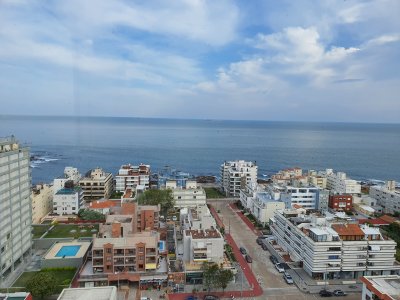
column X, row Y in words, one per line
column 347, row 229
column 297, row 206
column 103, row 204
column 377, row 221
column 388, row 219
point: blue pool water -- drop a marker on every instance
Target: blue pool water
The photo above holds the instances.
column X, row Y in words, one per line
column 67, row 251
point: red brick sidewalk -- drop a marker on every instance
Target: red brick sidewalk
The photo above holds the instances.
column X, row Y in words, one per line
column 256, row 289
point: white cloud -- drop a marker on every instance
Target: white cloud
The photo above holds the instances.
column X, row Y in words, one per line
column 210, row 22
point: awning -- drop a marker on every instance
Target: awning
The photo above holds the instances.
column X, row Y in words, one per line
column 151, row 266
column 155, row 277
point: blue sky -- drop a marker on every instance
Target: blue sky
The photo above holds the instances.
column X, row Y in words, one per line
column 328, row 60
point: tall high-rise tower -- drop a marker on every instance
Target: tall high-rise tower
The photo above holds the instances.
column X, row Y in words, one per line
column 15, row 205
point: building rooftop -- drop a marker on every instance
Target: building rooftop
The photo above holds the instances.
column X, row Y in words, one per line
column 150, row 238
column 385, row 286
column 92, row 293
column 348, row 229
column 103, row 204
column 67, row 191
column 204, row 234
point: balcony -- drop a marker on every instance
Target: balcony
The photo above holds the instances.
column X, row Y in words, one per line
column 97, row 253
column 130, row 252
column 97, row 262
column 118, row 252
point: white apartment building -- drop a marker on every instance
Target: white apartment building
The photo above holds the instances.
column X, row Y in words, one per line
column 340, row 183
column 235, row 175
column 333, row 249
column 129, row 177
column 386, row 287
column 259, row 202
column 96, row 184
column 203, row 245
column 68, row 201
column 387, row 196
column 70, row 173
column 188, row 196
column 42, row 202
column 305, row 196
column 197, row 218
column 16, row 205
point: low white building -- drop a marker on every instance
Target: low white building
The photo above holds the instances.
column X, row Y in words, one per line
column 70, row 173
column 89, row 293
column 68, row 201
column 305, row 196
column 129, row 177
column 387, row 196
column 385, row 287
column 259, row 202
column 235, row 175
column 339, row 183
column 332, row 248
column 188, row 196
column 196, row 218
column 203, row 245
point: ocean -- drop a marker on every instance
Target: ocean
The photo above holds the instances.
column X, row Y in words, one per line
column 363, row 151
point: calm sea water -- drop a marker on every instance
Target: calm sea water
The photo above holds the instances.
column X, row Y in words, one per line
column 364, row 151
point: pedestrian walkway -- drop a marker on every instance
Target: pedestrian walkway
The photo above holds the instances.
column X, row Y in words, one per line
column 255, row 289
column 251, row 226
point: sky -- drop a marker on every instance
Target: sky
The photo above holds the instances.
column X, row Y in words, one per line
column 330, row 60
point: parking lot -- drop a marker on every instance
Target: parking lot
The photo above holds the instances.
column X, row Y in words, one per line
column 272, row 282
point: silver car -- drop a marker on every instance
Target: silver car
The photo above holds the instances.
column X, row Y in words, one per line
column 288, row 278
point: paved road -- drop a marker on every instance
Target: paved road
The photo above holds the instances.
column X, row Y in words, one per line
column 270, row 279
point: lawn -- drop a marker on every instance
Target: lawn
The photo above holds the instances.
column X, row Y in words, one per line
column 64, row 231
column 213, row 193
column 62, row 277
column 38, row 230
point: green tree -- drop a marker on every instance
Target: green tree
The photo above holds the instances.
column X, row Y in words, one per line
column 210, row 271
column 224, row 276
column 90, row 215
column 42, row 284
column 155, row 197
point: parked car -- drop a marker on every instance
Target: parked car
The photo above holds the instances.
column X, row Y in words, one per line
column 280, row 268
column 273, row 259
column 174, row 218
column 325, row 293
column 260, row 239
column 339, row 293
column 248, row 258
column 264, row 247
column 243, row 250
column 210, row 297
column 288, row 278
column 191, row 298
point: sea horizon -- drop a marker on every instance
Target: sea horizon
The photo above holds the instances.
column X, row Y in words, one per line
column 362, row 150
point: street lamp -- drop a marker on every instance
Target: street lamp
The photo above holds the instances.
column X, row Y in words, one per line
column 241, row 283
column 117, row 273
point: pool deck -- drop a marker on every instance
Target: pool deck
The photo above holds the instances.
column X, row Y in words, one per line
column 84, row 246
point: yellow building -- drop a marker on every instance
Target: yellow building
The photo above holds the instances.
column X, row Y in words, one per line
column 42, row 202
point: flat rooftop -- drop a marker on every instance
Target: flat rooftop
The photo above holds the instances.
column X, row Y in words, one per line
column 384, row 285
column 92, row 293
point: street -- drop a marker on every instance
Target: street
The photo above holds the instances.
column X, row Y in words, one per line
column 270, row 279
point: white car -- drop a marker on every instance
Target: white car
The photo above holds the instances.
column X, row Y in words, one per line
column 279, row 268
column 174, row 218
column 288, row 278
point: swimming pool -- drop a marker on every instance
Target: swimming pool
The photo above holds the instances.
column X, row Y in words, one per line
column 68, row 251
